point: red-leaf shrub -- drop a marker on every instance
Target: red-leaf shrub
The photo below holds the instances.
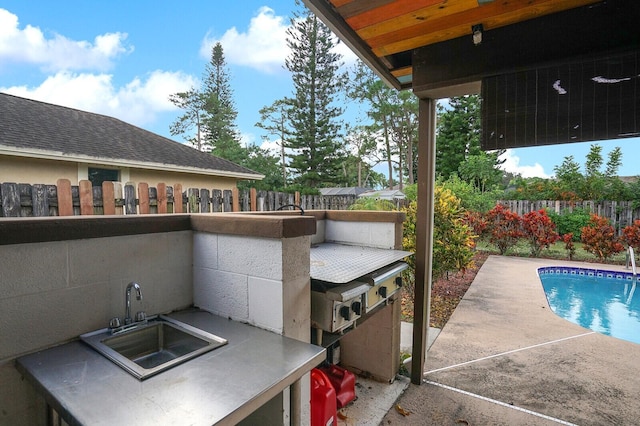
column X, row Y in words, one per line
column 631, row 235
column 568, row 244
column 476, row 222
column 504, row 227
column 600, row 239
column 539, row 230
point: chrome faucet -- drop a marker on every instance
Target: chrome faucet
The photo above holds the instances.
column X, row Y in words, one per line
column 127, row 319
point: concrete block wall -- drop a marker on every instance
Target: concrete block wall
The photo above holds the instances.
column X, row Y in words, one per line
column 260, row 281
column 369, row 234
column 53, row 291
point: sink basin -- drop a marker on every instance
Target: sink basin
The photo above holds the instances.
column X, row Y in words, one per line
column 154, row 346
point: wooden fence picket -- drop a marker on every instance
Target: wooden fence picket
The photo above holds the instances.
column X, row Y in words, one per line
column 118, row 195
column 40, row 200
column 108, row 198
column 193, row 202
column 205, row 201
column 235, row 200
column 253, row 196
column 216, row 201
column 143, row 198
column 65, row 199
column 10, row 200
column 130, row 199
column 162, row 198
column 85, row 193
column 177, row 197
column 226, row 200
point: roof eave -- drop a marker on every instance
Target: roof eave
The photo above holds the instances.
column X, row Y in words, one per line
column 344, row 32
column 113, row 162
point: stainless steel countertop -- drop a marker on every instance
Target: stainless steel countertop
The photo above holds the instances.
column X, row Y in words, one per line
column 220, row 387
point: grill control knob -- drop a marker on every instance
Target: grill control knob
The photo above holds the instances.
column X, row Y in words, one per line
column 357, row 308
column 345, row 312
column 382, row 291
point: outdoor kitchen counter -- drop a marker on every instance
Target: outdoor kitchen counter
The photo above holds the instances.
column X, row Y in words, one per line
column 219, row 387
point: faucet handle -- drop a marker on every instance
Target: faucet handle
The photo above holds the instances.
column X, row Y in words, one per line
column 114, row 322
column 140, row 316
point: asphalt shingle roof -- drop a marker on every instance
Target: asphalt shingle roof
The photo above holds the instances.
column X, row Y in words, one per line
column 29, row 124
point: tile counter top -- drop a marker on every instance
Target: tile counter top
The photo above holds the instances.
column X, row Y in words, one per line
column 220, row 387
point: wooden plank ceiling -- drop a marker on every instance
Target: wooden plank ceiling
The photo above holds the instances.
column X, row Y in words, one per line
column 385, row 32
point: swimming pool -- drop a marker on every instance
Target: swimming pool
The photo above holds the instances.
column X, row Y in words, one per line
column 603, row 301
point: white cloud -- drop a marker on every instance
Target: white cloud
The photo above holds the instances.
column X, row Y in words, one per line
column 262, row 47
column 272, row 146
column 137, row 102
column 31, row 46
column 512, row 165
column 247, row 139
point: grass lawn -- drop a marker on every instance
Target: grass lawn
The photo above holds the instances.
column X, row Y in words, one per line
column 555, row 251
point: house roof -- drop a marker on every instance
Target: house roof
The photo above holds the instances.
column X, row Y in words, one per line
column 352, row 190
column 37, row 129
column 384, row 194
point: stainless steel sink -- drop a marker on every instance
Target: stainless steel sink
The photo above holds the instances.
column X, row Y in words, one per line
column 148, row 348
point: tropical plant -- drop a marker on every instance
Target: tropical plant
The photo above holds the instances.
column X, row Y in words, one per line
column 504, row 227
column 569, row 246
column 631, row 235
column 453, row 240
column 371, row 203
column 599, row 238
column 539, row 230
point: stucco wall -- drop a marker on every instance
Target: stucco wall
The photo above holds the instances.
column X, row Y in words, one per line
column 32, row 171
column 53, row 291
column 153, row 177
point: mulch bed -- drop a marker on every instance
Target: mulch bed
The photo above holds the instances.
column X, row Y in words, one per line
column 446, row 293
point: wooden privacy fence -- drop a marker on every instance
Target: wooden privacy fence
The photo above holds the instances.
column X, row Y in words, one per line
column 619, row 213
column 114, row 198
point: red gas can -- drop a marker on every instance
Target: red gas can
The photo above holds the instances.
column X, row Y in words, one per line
column 323, row 400
column 344, row 383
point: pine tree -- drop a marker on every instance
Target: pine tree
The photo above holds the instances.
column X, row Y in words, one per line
column 275, row 120
column 194, row 117
column 222, row 134
column 458, row 135
column 316, row 146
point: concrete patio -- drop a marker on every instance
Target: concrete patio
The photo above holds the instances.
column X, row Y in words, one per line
column 504, row 358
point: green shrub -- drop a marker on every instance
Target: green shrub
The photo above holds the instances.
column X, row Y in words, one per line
column 470, row 197
column 570, row 222
column 370, row 203
column 453, row 240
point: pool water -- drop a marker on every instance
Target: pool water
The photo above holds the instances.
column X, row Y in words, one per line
column 603, row 301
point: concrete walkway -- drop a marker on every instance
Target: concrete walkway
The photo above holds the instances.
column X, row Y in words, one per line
column 504, row 358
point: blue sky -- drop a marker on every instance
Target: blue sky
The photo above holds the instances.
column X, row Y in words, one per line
column 124, row 58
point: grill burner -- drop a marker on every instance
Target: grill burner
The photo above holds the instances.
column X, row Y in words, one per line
column 335, row 309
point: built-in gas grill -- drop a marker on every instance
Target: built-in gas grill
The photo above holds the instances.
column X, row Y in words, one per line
column 335, row 308
column 348, row 282
column 383, row 283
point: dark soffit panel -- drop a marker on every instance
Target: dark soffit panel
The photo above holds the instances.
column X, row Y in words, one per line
column 588, row 100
